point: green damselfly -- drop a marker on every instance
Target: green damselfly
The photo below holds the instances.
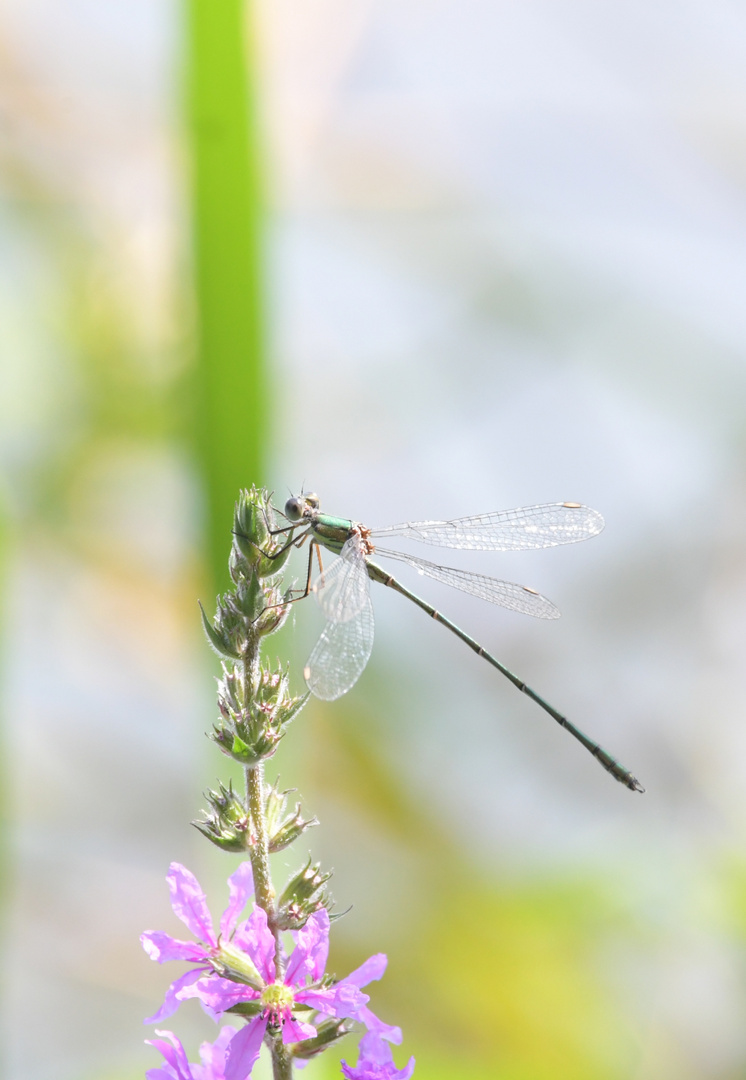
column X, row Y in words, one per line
column 343, row 590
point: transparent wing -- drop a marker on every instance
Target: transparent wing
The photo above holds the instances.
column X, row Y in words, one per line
column 343, row 589
column 505, row 593
column 506, row 530
column 339, row 656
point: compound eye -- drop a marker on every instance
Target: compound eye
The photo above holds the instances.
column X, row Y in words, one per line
column 313, row 501
column 294, row 509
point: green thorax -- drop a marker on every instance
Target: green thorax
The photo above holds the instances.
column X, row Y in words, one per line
column 331, row 532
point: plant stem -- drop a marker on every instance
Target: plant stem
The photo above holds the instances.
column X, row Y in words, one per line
column 254, row 776
column 282, row 1062
column 259, row 852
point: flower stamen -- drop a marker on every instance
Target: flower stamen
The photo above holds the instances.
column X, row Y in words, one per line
column 278, row 1000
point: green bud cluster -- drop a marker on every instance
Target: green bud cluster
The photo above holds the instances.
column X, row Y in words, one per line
column 228, row 825
column 253, row 541
column 254, row 607
column 255, row 708
column 255, row 703
column 303, row 894
column 254, row 717
column 282, row 828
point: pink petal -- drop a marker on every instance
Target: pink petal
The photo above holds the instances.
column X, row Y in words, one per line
column 190, row 903
column 241, row 886
column 172, row 1000
column 371, row 1021
column 243, row 1049
column 213, row 1055
column 373, row 1048
column 296, row 1031
column 375, row 1061
column 161, row 947
column 256, row 939
column 338, row 1000
column 174, row 1054
column 372, row 969
column 311, row 950
column 158, row 1074
column 216, row 994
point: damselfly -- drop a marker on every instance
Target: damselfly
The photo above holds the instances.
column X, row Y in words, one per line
column 343, row 590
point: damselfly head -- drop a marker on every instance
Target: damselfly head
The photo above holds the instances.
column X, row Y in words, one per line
column 299, row 506
column 294, row 509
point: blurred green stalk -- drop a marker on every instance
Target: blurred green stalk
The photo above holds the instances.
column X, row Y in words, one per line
column 231, row 406
column 7, row 851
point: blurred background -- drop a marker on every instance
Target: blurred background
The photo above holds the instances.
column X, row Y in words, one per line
column 486, row 254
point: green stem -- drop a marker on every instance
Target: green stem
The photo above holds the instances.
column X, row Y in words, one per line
column 282, row 1062
column 254, row 775
column 259, row 852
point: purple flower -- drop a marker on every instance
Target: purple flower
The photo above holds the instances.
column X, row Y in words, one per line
column 190, row 905
column 178, row 1068
column 277, row 998
column 376, row 1062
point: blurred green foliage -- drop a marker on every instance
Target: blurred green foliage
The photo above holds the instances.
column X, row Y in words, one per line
column 104, row 385
column 232, row 405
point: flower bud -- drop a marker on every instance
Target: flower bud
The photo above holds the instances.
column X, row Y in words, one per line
column 222, row 634
column 326, row 1034
column 250, row 597
column 274, row 697
column 303, row 895
column 233, row 963
column 258, row 748
column 274, row 614
column 283, row 829
column 230, row 692
column 246, row 1008
column 228, row 826
column 250, row 531
column 253, row 544
column 251, row 732
column 305, row 883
